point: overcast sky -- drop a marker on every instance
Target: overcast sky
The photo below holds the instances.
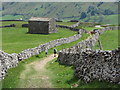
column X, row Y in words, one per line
column 59, row 0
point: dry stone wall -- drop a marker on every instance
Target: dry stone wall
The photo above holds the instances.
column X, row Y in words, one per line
column 7, row 61
column 98, row 64
column 88, row 43
column 35, row 51
column 75, row 25
column 72, row 27
column 11, row 25
column 93, row 64
column 11, row 60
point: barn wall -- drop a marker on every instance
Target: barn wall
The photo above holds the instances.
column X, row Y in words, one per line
column 38, row 27
column 52, row 26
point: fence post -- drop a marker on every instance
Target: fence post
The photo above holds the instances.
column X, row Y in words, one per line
column 100, row 45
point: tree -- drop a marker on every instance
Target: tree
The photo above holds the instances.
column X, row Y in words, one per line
column 83, row 15
column 93, row 13
column 108, row 12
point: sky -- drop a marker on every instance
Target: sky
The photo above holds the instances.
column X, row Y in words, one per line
column 59, row 0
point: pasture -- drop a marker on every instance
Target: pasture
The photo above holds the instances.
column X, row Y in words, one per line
column 66, row 23
column 62, row 76
column 109, row 40
column 17, row 39
column 12, row 79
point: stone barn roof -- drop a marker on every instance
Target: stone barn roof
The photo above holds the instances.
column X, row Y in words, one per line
column 39, row 19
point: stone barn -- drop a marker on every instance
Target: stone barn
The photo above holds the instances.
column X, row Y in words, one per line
column 39, row 25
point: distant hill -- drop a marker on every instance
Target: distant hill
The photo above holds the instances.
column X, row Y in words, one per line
column 103, row 19
column 61, row 10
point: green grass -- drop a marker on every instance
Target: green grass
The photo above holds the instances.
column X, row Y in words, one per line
column 109, row 40
column 11, row 17
column 17, row 23
column 12, row 78
column 103, row 19
column 16, row 39
column 62, row 77
column 66, row 23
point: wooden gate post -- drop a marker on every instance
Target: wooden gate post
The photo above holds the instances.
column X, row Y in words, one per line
column 100, row 45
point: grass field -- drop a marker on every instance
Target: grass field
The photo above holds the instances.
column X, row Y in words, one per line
column 17, row 23
column 12, row 78
column 66, row 23
column 109, row 40
column 103, row 19
column 11, row 17
column 60, row 76
column 16, row 39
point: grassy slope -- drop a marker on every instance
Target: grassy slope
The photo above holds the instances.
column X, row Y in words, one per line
column 106, row 19
column 12, row 37
column 57, row 10
column 10, row 17
column 12, row 78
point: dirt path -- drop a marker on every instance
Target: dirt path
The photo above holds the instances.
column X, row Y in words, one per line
column 35, row 74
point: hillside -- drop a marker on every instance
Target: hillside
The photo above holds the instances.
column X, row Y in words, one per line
column 61, row 10
column 103, row 19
